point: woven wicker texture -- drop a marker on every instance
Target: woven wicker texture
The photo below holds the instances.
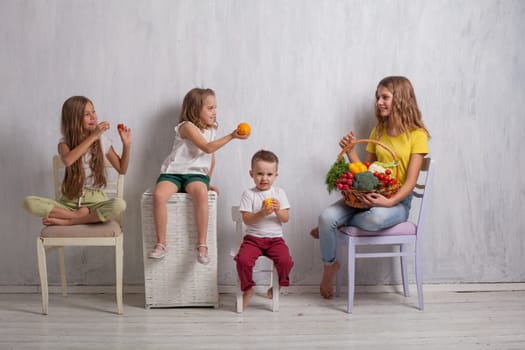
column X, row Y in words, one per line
column 178, row 280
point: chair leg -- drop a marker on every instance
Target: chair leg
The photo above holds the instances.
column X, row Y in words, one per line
column 119, row 266
column 275, row 289
column 238, row 297
column 351, row 276
column 62, row 267
column 404, row 276
column 42, row 271
column 419, row 280
column 339, row 273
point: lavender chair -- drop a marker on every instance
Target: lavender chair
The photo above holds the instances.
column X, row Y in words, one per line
column 402, row 235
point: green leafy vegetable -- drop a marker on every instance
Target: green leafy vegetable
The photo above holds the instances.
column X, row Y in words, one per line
column 365, row 181
column 335, row 172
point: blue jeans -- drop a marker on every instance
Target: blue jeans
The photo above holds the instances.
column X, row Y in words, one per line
column 373, row 219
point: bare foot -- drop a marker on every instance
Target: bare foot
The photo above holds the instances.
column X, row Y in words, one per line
column 246, row 296
column 315, row 233
column 56, row 221
column 327, row 283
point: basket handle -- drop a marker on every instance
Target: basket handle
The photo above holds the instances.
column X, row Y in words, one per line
column 355, row 142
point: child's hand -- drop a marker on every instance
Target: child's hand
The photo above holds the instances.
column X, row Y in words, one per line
column 236, row 135
column 272, row 204
column 276, row 205
column 124, row 133
column 214, row 189
column 101, row 128
column 267, row 206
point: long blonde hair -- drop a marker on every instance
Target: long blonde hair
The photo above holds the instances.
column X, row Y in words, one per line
column 74, row 134
column 405, row 115
column 192, row 106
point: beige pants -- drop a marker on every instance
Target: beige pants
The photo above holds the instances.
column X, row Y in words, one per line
column 96, row 200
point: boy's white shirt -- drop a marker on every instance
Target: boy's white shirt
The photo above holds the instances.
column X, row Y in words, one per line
column 252, row 201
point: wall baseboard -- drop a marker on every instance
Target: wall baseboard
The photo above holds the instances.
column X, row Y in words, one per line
column 230, row 289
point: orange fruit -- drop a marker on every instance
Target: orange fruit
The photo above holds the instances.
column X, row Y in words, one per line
column 243, row 129
column 268, row 202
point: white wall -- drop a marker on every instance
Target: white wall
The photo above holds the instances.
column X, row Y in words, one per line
column 302, row 73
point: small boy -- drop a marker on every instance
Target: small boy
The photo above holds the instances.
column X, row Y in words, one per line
column 264, row 209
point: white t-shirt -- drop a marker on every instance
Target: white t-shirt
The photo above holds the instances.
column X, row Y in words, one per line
column 252, row 201
column 185, row 157
column 105, row 143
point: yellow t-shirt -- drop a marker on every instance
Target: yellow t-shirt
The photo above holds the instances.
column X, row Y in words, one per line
column 404, row 145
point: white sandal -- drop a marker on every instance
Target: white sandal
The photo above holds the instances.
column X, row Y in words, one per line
column 158, row 252
column 203, row 257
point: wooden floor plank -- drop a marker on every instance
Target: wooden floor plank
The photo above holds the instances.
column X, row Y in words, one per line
column 451, row 320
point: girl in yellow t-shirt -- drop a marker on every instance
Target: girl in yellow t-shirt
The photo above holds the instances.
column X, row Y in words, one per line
column 399, row 126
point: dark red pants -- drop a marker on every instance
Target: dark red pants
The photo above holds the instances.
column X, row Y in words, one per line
column 252, row 248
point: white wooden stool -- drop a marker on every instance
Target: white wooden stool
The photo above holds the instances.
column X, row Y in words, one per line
column 178, row 280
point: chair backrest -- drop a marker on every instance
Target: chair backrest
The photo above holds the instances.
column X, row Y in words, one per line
column 115, row 181
column 237, row 218
column 421, row 192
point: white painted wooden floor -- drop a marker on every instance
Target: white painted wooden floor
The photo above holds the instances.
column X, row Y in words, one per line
column 451, row 320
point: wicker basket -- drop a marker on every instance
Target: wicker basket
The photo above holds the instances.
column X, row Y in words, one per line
column 352, row 196
column 178, row 280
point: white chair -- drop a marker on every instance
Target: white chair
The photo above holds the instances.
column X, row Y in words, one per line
column 100, row 234
column 274, row 278
column 402, row 235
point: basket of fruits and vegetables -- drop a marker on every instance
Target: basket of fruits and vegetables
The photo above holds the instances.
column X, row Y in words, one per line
column 355, row 179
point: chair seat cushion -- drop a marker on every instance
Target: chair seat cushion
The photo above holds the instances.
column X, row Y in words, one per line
column 402, row 229
column 109, row 228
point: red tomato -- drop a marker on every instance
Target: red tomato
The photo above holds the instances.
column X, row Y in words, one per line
column 367, row 164
column 388, row 171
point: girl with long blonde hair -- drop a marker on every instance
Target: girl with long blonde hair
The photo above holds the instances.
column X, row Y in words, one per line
column 400, row 127
column 83, row 149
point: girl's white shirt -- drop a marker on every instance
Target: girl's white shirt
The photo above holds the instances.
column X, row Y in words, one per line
column 185, row 157
column 252, row 201
column 105, row 143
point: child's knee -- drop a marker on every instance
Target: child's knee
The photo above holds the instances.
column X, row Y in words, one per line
column 118, row 205
column 36, row 206
column 287, row 261
column 27, row 204
column 197, row 190
column 244, row 260
column 160, row 197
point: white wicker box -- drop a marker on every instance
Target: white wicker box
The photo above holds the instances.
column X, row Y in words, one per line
column 178, row 280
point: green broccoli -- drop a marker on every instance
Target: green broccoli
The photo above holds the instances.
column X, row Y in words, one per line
column 365, row 181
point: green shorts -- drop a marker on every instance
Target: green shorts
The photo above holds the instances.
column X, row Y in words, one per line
column 182, row 180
